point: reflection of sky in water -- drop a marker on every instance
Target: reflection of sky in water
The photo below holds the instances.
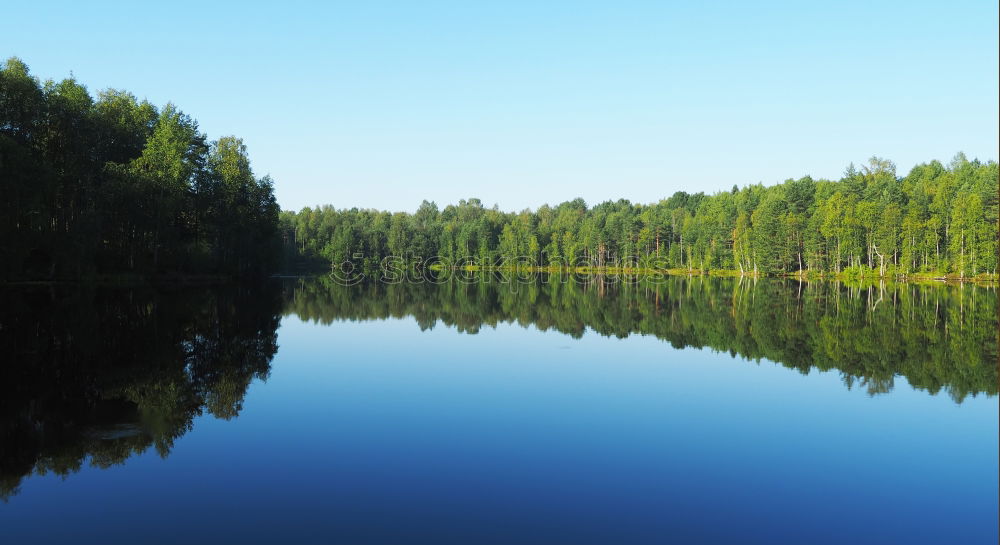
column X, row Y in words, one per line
column 378, row 432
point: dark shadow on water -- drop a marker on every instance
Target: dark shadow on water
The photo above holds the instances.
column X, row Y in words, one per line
column 93, row 375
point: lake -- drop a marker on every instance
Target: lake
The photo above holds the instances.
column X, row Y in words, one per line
column 482, row 410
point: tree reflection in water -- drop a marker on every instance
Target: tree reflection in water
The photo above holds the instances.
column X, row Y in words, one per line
column 936, row 337
column 102, row 374
column 97, row 375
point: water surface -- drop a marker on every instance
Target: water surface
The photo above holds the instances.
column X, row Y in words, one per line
column 692, row 410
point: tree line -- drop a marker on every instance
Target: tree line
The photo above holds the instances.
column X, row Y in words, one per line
column 114, row 185
column 938, row 219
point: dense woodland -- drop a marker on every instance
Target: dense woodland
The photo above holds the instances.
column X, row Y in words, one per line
column 870, row 332
column 114, row 185
column 939, row 219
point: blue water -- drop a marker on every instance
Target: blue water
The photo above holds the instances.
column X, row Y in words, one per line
column 378, row 432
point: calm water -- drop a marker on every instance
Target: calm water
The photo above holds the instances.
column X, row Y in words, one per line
column 697, row 410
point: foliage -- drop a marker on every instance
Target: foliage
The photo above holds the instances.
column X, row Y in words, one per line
column 114, row 185
column 937, row 219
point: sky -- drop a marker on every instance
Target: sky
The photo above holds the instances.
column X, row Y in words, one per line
column 383, row 104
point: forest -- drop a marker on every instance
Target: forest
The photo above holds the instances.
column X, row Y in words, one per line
column 936, row 220
column 116, row 186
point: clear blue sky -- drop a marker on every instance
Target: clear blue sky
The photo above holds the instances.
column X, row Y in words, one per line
column 379, row 104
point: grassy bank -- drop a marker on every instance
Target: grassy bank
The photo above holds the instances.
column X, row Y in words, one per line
column 848, row 275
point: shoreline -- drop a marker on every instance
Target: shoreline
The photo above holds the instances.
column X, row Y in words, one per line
column 179, row 280
column 129, row 281
column 802, row 275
